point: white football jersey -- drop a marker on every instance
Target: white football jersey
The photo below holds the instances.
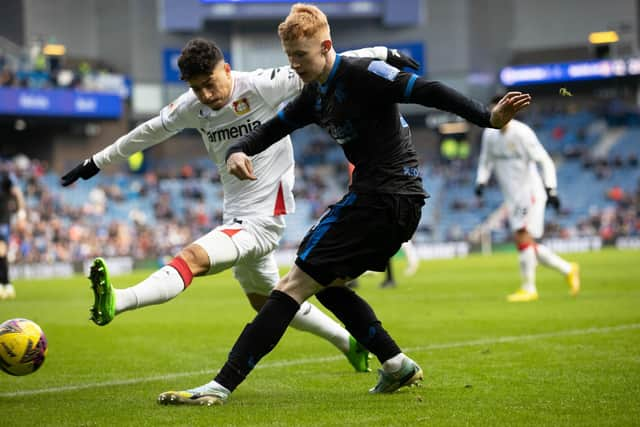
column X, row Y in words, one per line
column 514, row 153
column 255, row 97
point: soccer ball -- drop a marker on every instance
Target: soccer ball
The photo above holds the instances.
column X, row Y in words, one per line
column 23, row 347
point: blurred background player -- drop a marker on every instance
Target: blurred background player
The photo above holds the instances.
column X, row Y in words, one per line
column 11, row 197
column 411, row 256
column 514, row 152
column 224, row 105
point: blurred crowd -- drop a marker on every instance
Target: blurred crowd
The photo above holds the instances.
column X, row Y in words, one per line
column 157, row 211
column 45, row 72
column 56, row 231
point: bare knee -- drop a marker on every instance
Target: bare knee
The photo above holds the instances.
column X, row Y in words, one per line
column 298, row 285
column 522, row 237
column 196, row 258
column 3, row 249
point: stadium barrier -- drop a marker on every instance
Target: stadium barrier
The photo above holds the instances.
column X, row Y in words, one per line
column 41, row 270
column 444, row 250
column 628, row 243
column 575, row 244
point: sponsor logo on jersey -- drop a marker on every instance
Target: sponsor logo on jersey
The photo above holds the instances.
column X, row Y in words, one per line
column 343, row 132
column 410, row 171
column 383, row 70
column 231, row 132
column 241, row 106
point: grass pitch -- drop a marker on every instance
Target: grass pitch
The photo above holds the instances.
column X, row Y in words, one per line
column 559, row 361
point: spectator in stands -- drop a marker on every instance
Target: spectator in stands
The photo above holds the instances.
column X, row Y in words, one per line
column 514, row 153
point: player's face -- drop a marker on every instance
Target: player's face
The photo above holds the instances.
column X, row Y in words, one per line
column 308, row 58
column 213, row 89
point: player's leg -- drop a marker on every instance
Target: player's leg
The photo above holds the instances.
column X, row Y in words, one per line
column 527, row 261
column 260, row 336
column 4, row 263
column 550, row 259
column 520, row 221
column 258, row 277
column 413, row 260
column 212, row 253
column 256, row 340
column 389, row 281
column 363, row 245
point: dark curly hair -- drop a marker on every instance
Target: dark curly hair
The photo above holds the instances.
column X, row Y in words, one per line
column 198, row 57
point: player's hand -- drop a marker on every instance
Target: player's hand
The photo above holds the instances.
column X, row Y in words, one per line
column 400, row 60
column 507, row 107
column 240, row 166
column 84, row 170
column 552, row 198
column 479, row 190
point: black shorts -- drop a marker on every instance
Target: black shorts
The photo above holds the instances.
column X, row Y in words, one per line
column 359, row 233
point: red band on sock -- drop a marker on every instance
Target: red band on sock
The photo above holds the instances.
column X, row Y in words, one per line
column 183, row 270
column 524, row 246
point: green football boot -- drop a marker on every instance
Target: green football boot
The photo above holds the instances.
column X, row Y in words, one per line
column 409, row 374
column 358, row 356
column 206, row 395
column 104, row 305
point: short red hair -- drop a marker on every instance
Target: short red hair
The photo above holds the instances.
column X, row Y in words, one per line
column 303, row 21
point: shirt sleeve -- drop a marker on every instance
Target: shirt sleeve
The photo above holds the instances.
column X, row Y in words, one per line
column 537, row 153
column 142, row 137
column 485, row 164
column 376, row 52
column 277, row 85
column 392, row 85
column 181, row 114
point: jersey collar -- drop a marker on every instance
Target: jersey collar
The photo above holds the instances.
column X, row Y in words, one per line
column 324, row 86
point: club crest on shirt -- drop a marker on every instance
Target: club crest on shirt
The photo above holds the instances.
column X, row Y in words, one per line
column 241, row 106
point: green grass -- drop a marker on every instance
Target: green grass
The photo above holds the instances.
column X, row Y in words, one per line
column 558, row 361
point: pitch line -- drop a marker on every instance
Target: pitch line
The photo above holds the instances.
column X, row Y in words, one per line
column 285, row 363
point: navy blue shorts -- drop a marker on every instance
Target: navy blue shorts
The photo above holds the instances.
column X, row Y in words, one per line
column 359, row 233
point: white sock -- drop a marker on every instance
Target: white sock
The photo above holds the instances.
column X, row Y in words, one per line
column 411, row 254
column 212, row 385
column 160, row 287
column 548, row 258
column 310, row 319
column 393, row 364
column 528, row 268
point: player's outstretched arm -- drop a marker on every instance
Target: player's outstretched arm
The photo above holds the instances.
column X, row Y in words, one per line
column 140, row 138
column 438, row 95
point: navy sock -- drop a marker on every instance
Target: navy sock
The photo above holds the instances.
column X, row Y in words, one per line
column 360, row 320
column 258, row 338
